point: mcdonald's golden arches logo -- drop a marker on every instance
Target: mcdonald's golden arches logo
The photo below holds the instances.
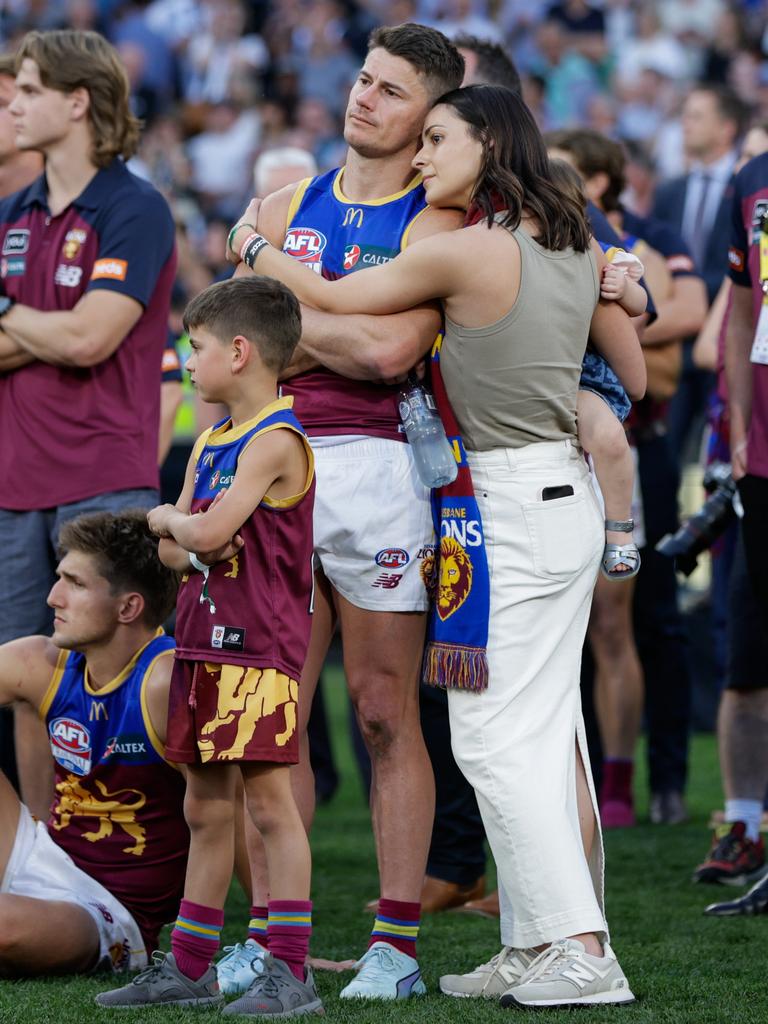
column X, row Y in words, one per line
column 353, row 214
column 97, row 711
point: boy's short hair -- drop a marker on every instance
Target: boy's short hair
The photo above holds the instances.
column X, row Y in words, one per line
column 125, row 551
column 262, row 309
column 431, row 53
column 593, row 153
column 69, row 60
column 8, row 65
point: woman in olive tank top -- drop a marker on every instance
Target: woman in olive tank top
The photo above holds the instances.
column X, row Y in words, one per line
column 519, row 286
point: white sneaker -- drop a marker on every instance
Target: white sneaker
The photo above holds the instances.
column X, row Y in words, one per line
column 491, row 980
column 240, row 966
column 566, row 975
column 385, row 973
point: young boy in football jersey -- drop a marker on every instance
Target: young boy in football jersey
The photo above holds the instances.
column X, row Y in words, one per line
column 241, row 532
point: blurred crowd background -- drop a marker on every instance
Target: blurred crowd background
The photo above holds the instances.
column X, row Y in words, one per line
column 218, row 82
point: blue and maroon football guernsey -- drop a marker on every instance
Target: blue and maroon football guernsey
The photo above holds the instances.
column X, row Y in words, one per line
column 256, row 608
column 118, row 808
column 334, row 236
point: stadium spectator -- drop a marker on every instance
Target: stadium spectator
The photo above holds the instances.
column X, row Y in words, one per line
column 743, row 720
column 680, row 307
column 19, row 168
column 105, row 871
column 698, row 206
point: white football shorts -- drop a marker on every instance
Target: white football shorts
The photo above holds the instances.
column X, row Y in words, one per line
column 372, row 522
column 40, row 869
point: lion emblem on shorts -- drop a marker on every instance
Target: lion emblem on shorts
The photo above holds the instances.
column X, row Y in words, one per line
column 455, row 580
column 75, row 801
column 246, row 696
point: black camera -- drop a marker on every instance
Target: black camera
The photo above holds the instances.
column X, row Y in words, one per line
column 700, row 532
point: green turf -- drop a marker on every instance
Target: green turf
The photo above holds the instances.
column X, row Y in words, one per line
column 683, row 967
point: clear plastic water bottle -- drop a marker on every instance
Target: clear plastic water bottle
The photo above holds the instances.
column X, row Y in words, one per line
column 432, row 452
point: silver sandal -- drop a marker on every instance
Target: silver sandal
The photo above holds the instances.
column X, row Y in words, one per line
column 618, row 554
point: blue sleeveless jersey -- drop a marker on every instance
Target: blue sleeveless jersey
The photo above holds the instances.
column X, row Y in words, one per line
column 255, row 609
column 118, row 806
column 334, row 236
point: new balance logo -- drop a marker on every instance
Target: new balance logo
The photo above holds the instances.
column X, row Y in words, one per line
column 582, row 974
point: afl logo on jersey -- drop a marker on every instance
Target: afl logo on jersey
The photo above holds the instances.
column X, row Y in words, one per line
column 351, row 256
column 71, row 745
column 393, row 558
column 305, row 244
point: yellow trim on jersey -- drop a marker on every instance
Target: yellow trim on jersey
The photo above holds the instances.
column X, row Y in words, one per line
column 406, row 234
column 338, row 194
column 295, row 202
column 294, row 498
column 226, row 433
column 200, row 443
column 154, row 739
column 118, row 681
column 53, row 685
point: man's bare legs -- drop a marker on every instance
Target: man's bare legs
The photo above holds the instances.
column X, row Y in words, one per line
column 323, row 627
column 26, row 924
column 382, row 661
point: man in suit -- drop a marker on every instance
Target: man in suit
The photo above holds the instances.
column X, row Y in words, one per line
column 698, row 206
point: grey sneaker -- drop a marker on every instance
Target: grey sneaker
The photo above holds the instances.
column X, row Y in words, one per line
column 491, row 980
column 277, row 992
column 566, row 975
column 162, row 983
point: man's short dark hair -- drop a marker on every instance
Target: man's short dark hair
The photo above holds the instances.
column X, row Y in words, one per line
column 592, row 154
column 125, row 551
column 729, row 105
column 262, row 309
column 494, row 65
column 431, row 53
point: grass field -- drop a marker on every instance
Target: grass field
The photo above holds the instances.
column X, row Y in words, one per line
column 683, row 967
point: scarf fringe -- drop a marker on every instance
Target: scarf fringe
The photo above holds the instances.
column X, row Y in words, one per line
column 454, row 667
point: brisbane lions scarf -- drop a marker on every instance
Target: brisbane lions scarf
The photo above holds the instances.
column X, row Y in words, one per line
column 457, row 636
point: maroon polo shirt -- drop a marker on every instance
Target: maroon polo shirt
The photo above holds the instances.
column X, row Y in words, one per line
column 72, row 433
column 750, row 204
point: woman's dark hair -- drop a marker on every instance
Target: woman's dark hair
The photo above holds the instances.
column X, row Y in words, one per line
column 515, row 173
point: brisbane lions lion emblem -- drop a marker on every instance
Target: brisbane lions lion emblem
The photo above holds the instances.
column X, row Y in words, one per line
column 455, row 577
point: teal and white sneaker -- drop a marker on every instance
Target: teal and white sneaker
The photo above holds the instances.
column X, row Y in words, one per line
column 239, row 967
column 385, row 973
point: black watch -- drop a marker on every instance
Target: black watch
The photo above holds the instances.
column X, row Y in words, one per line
column 6, row 303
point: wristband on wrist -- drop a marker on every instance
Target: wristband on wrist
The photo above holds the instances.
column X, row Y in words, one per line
column 252, row 248
column 233, row 232
column 253, row 235
column 195, row 562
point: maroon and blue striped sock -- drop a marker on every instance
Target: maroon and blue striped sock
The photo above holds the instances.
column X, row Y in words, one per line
column 289, row 927
column 195, row 937
column 398, row 924
column 257, row 926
